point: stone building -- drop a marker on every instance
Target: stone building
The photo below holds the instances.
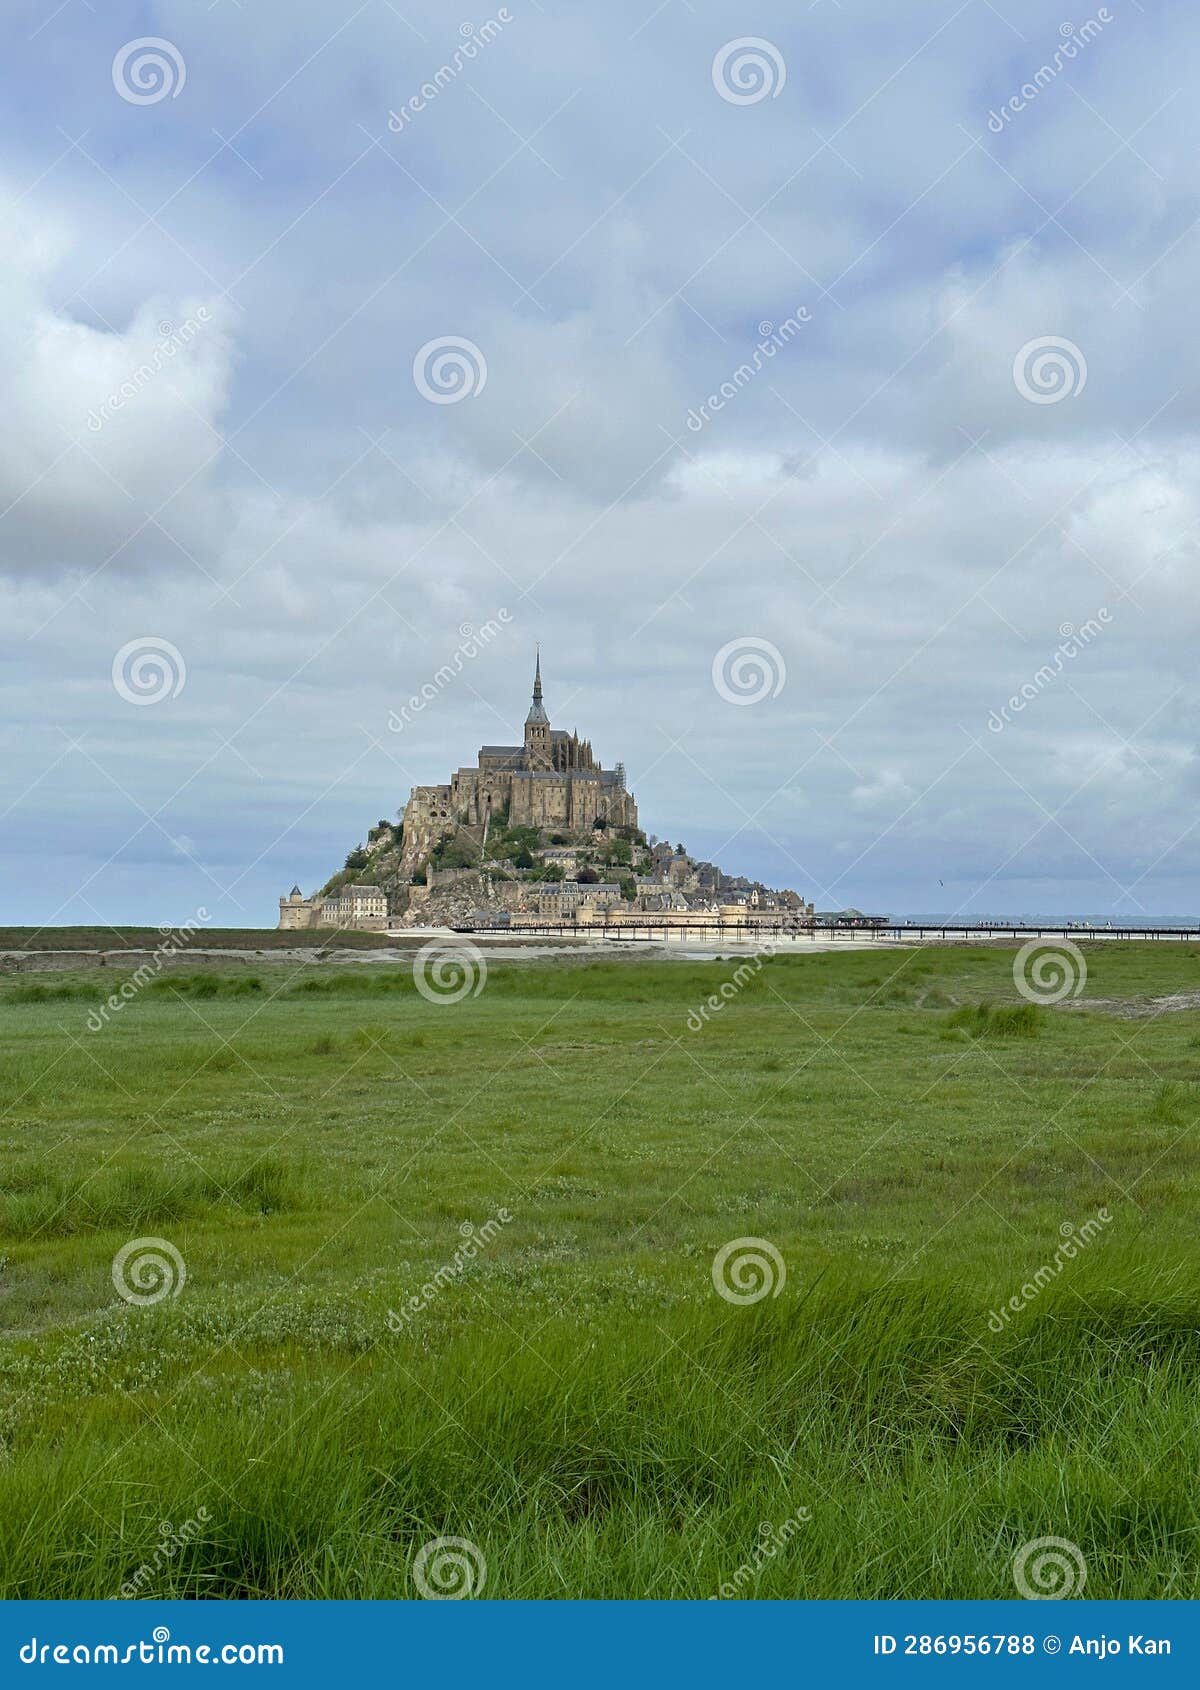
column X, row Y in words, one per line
column 296, row 910
column 350, row 906
column 565, row 857
column 562, row 900
column 355, row 906
column 551, row 780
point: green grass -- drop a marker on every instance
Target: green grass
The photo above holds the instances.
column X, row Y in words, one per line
column 149, row 938
column 914, row 1140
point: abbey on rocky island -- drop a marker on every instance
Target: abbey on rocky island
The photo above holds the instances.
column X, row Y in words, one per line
column 531, row 832
column 552, row 780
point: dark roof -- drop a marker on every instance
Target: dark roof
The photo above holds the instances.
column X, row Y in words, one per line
column 501, row 750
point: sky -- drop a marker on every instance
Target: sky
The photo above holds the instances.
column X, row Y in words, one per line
column 335, row 333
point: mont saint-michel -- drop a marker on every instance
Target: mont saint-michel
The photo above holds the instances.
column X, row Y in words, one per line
column 536, row 831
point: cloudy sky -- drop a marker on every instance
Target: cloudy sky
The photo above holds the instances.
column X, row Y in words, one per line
column 248, row 509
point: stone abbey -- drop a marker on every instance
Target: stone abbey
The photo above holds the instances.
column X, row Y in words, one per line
column 532, row 833
column 552, row 780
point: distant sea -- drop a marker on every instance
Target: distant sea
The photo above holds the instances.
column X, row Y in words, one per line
column 1040, row 919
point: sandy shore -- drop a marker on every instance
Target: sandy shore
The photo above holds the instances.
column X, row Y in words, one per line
column 401, row 947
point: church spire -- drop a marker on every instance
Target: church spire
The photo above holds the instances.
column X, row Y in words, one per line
column 537, row 716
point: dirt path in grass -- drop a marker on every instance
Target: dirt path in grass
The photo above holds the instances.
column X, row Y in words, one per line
column 1136, row 1009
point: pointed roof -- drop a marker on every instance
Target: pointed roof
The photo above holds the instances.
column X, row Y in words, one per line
column 537, row 711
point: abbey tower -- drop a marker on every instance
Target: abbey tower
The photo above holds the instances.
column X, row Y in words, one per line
column 552, row 780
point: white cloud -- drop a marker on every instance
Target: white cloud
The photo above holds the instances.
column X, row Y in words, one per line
column 102, row 426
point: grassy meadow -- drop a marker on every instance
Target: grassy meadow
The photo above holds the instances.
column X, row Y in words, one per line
column 578, row 1402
